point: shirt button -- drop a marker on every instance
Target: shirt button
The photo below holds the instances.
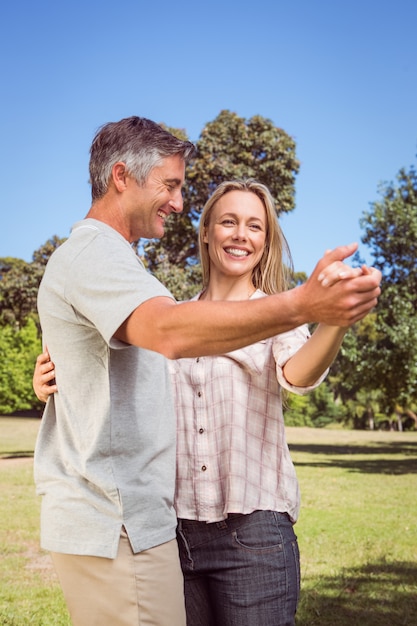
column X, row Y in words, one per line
column 199, row 394
column 203, row 468
column 197, row 360
column 201, row 431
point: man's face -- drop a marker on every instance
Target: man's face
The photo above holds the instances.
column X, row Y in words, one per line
column 152, row 203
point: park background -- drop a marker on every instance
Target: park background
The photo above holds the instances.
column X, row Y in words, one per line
column 316, row 99
column 332, row 86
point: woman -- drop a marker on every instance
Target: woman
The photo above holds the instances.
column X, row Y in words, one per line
column 237, row 495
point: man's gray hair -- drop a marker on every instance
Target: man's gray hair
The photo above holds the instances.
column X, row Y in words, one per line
column 138, row 142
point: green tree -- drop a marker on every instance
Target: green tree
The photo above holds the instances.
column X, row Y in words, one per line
column 19, row 348
column 183, row 283
column 389, row 362
column 363, row 411
column 18, row 291
column 19, row 283
column 315, row 409
column 349, row 373
column 41, row 256
column 296, row 411
column 232, row 147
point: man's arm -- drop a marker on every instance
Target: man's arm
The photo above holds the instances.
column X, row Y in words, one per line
column 206, row 328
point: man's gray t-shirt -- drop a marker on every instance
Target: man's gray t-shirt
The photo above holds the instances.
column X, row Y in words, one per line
column 105, row 454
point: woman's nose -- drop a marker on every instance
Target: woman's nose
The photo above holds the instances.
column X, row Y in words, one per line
column 240, row 232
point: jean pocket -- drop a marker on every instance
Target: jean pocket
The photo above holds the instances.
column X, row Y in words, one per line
column 259, row 534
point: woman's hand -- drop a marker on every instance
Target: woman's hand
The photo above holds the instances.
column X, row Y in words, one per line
column 341, row 271
column 44, row 377
column 318, row 353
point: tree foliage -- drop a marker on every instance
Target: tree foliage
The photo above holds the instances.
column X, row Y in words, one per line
column 183, row 283
column 391, row 232
column 19, row 348
column 316, row 409
column 19, row 284
column 232, row 147
column 18, row 291
column 20, row 341
column 377, row 365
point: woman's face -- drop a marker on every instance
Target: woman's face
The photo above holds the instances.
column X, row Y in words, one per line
column 236, row 234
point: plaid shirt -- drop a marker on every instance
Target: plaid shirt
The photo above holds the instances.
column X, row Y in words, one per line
column 232, row 454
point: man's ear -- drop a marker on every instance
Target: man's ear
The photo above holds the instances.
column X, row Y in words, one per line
column 119, row 175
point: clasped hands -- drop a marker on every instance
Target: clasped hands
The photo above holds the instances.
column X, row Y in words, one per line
column 338, row 270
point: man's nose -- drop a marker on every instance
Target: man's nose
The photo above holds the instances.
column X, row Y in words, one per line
column 177, row 203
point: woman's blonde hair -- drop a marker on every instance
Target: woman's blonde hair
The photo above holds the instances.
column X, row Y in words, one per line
column 273, row 272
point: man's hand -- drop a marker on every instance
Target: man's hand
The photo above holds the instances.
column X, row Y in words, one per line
column 338, row 295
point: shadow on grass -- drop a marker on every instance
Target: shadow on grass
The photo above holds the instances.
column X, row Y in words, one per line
column 22, row 454
column 380, row 594
column 405, row 448
column 390, row 465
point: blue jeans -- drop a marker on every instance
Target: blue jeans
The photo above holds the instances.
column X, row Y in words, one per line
column 243, row 571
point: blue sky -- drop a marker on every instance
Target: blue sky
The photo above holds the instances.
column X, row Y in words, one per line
column 339, row 77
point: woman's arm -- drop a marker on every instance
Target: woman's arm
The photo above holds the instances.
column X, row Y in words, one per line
column 315, row 356
column 44, row 377
column 306, row 366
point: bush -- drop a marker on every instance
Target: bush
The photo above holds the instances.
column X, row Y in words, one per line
column 19, row 348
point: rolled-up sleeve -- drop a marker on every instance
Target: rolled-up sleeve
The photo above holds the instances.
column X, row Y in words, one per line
column 284, row 347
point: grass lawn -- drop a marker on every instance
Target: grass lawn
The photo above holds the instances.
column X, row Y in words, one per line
column 357, row 529
column 29, row 591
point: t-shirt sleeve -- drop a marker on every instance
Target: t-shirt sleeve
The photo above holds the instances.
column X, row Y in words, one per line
column 107, row 283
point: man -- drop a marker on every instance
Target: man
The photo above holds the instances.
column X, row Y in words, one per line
column 105, row 456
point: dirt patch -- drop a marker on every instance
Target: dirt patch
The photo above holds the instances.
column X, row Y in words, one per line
column 39, row 561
